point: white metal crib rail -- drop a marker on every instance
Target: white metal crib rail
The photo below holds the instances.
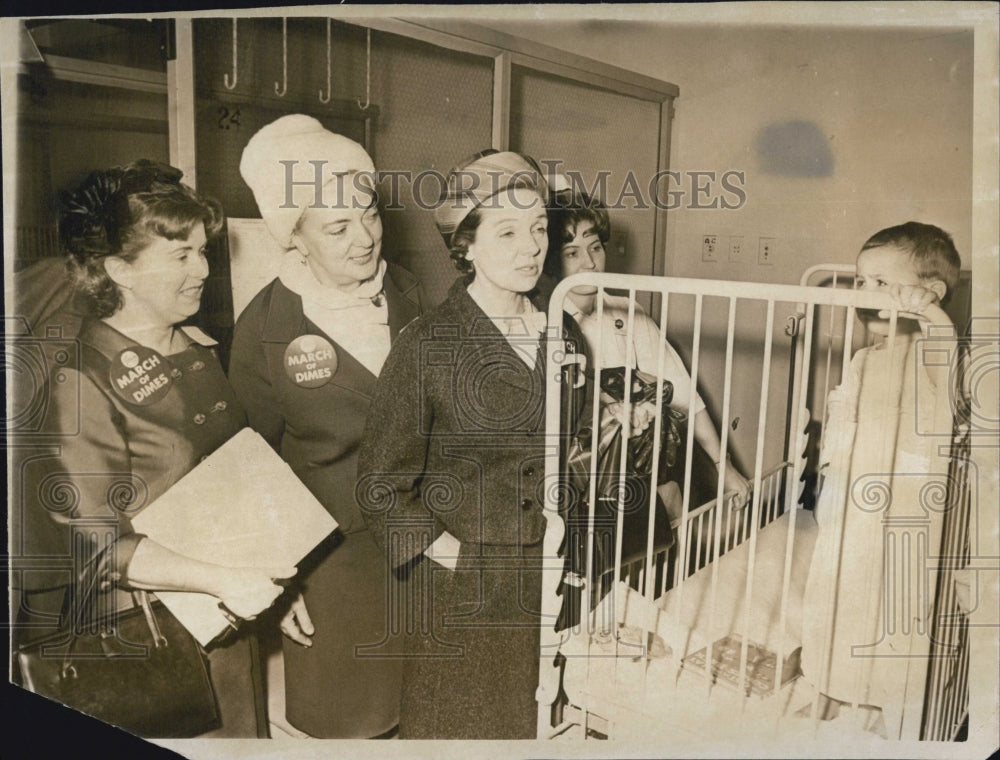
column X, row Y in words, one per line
column 946, row 709
column 776, row 489
column 733, row 524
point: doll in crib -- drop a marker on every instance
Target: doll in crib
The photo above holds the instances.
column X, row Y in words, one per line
column 880, row 439
column 578, row 229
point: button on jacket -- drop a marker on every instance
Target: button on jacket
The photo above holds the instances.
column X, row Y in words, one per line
column 316, row 430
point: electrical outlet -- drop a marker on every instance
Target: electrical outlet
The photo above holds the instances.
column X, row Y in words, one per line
column 709, row 247
column 765, row 250
column 736, row 248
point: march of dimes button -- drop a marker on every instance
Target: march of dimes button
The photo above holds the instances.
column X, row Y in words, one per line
column 140, row 376
column 310, row 361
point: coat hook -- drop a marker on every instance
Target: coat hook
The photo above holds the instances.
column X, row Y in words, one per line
column 225, row 77
column 329, row 91
column 280, row 92
column 368, row 75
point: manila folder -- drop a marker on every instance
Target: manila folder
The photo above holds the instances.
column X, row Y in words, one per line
column 242, row 506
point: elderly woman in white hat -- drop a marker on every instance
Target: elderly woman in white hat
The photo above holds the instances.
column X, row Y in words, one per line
column 452, row 462
column 306, row 353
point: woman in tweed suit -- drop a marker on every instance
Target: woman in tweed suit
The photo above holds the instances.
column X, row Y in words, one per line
column 450, row 470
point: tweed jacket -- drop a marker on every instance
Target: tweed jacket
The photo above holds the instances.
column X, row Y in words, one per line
column 456, row 436
column 315, row 429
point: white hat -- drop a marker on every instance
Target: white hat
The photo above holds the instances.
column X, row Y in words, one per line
column 559, row 182
column 303, row 140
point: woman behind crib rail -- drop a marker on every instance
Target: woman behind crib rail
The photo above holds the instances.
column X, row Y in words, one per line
column 335, row 299
column 918, row 266
column 135, row 238
column 579, row 228
column 452, row 462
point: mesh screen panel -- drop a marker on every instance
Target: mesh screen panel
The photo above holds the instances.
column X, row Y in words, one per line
column 436, row 109
column 590, row 130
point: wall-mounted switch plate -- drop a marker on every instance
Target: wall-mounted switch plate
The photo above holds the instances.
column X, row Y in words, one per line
column 766, row 250
column 709, row 247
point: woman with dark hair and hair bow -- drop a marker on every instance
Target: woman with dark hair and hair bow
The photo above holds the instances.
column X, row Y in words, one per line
column 135, row 238
column 451, row 465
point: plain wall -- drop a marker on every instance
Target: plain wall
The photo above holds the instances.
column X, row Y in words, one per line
column 893, row 108
column 881, row 133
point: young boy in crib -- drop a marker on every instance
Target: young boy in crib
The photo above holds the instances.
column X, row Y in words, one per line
column 883, row 428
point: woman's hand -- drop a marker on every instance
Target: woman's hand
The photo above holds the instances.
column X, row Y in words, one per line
column 735, row 483
column 248, row 591
column 638, row 416
column 245, row 591
column 296, row 624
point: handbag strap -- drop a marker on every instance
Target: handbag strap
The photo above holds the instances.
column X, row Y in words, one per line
column 141, row 597
column 94, row 576
column 78, row 607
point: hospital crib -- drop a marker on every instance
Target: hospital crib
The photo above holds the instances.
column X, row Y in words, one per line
column 703, row 638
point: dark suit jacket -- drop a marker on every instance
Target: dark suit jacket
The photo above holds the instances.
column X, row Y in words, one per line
column 107, row 458
column 316, row 430
column 456, row 436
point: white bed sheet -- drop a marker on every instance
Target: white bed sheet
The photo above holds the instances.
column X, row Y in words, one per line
column 610, row 667
column 695, row 626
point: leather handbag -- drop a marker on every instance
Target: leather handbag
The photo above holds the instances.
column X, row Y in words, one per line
column 138, row 669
